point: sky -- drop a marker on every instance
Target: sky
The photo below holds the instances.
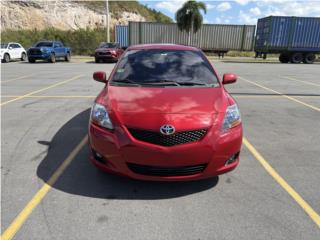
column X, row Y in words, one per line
column 243, row 11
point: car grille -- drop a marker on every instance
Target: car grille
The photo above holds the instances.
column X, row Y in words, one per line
column 166, row 171
column 104, row 53
column 35, row 52
column 167, row 140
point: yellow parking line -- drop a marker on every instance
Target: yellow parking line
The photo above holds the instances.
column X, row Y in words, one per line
column 303, row 204
column 306, row 82
column 269, row 96
column 25, row 213
column 40, row 90
column 22, row 77
column 48, row 96
column 283, row 95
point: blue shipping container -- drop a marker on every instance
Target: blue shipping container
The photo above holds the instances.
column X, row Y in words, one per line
column 277, row 34
column 121, row 35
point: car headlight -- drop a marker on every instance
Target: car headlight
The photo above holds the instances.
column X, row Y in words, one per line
column 232, row 117
column 44, row 50
column 100, row 116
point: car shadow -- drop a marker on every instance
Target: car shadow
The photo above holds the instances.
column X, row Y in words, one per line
column 82, row 178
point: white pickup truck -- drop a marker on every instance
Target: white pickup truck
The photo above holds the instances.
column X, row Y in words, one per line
column 11, row 50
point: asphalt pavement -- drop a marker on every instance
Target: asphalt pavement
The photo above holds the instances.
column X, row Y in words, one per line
column 49, row 189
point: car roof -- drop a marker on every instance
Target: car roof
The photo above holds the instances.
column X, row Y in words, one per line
column 165, row 46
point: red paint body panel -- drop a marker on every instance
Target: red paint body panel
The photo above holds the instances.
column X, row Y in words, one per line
column 151, row 107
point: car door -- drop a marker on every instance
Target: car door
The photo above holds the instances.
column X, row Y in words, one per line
column 18, row 50
column 12, row 51
column 57, row 49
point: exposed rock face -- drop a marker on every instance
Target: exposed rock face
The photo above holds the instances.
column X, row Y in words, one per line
column 63, row 15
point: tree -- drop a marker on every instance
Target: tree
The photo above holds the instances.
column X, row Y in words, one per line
column 189, row 17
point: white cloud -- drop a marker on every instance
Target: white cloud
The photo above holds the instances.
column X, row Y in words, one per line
column 224, row 6
column 218, row 20
column 255, row 11
column 242, row 2
column 210, row 6
column 246, row 18
column 171, row 6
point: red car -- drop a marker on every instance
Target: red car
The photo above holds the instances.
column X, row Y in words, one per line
column 108, row 52
column 164, row 114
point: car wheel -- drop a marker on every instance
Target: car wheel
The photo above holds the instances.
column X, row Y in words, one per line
column 52, row 58
column 284, row 58
column 23, row 56
column 96, row 60
column 6, row 58
column 309, row 58
column 31, row 60
column 296, row 58
column 67, row 57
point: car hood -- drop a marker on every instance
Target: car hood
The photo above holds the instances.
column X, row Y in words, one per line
column 151, row 107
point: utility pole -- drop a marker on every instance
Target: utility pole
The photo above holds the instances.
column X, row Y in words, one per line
column 107, row 21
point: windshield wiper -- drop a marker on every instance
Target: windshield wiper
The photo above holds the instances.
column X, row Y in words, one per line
column 161, row 83
column 126, row 81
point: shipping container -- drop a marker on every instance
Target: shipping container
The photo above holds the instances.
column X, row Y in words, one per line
column 210, row 37
column 297, row 39
column 121, row 35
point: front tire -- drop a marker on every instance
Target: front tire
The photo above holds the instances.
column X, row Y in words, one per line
column 52, row 58
column 23, row 56
column 6, row 58
column 309, row 58
column 67, row 57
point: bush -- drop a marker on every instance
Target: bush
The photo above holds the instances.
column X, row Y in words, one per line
column 81, row 41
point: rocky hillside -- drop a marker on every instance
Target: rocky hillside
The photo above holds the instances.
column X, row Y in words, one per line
column 72, row 15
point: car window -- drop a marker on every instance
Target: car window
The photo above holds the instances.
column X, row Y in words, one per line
column 108, row 45
column 154, row 65
column 57, row 44
column 4, row 45
column 16, row 45
column 44, row 44
column 11, row 45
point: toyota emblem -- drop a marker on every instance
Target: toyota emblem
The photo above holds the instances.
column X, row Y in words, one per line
column 167, row 129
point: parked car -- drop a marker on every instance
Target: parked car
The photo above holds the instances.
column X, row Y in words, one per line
column 108, row 52
column 12, row 50
column 164, row 114
column 49, row 51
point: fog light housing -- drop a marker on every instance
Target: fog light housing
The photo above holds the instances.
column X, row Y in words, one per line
column 232, row 159
column 98, row 157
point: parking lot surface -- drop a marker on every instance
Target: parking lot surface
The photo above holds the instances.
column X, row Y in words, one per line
column 49, row 189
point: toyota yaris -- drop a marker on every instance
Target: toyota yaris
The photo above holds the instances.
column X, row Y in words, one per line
column 164, row 114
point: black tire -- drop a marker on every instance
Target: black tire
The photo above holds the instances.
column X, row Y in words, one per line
column 284, row 58
column 309, row 58
column 67, row 57
column 97, row 60
column 296, row 58
column 52, row 58
column 23, row 56
column 31, row 60
column 6, row 58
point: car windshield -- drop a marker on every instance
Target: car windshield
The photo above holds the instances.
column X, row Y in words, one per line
column 178, row 67
column 44, row 44
column 108, row 45
column 4, row 45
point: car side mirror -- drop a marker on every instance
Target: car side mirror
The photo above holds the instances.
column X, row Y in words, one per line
column 10, row 48
column 124, row 48
column 100, row 76
column 229, row 78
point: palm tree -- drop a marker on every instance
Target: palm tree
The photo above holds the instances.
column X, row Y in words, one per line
column 189, row 17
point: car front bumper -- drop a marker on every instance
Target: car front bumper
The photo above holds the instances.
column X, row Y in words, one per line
column 119, row 153
column 44, row 56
